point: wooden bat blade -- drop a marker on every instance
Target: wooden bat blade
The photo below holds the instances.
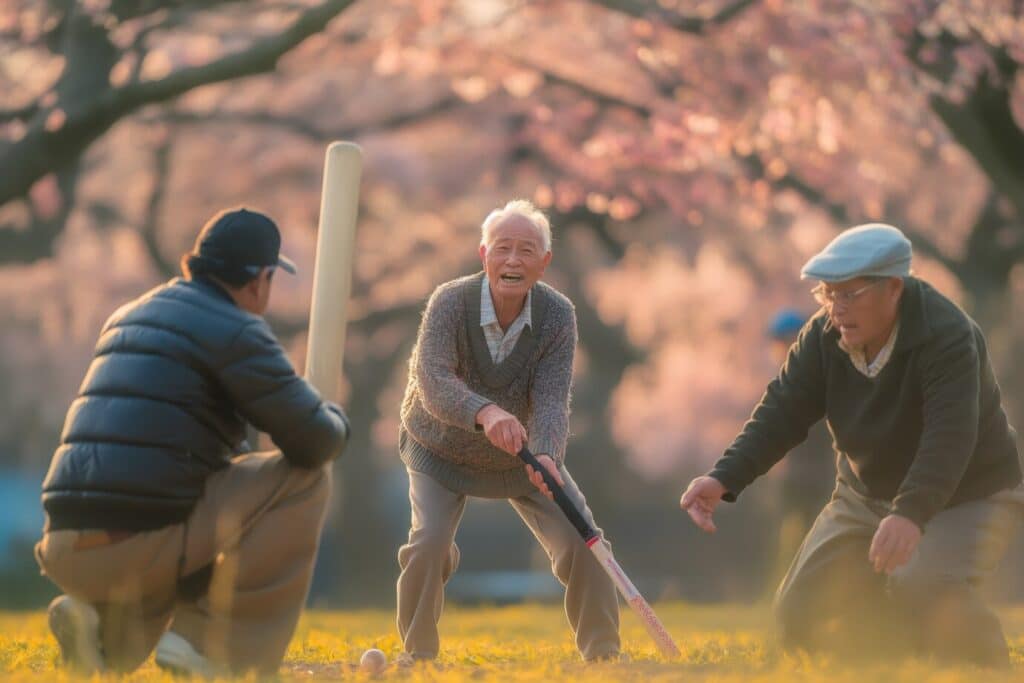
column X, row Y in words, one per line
column 332, row 276
column 636, row 602
column 655, row 629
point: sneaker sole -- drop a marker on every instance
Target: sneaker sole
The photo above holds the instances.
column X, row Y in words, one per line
column 179, row 670
column 173, row 669
column 181, row 664
column 76, row 625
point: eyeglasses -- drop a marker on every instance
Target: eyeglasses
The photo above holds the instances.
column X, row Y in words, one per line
column 830, row 298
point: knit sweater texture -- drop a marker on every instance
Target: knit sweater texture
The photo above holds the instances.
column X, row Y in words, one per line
column 452, row 376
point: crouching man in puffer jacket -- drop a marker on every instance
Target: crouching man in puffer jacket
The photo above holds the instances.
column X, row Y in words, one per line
column 160, row 528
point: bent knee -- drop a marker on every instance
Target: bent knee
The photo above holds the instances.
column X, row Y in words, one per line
column 430, row 545
column 308, row 482
column 924, row 585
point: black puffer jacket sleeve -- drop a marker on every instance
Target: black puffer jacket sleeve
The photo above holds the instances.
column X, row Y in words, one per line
column 261, row 382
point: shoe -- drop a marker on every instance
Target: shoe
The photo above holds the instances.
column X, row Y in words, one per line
column 76, row 626
column 405, row 660
column 178, row 656
column 611, row 658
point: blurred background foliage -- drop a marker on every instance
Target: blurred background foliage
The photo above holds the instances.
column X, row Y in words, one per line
column 692, row 154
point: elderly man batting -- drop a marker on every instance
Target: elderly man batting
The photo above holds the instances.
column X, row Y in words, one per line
column 928, row 487
column 491, row 372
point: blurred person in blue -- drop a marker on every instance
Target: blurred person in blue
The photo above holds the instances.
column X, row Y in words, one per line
column 928, row 491
column 161, row 528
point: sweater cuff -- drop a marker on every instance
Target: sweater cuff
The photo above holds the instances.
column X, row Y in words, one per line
column 912, row 510
column 471, row 407
column 550, row 448
column 732, row 486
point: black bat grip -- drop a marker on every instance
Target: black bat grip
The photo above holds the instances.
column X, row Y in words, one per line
column 572, row 513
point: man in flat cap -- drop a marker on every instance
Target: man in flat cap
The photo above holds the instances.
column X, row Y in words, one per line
column 928, row 487
column 160, row 525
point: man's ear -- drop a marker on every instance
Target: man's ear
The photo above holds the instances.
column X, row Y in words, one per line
column 483, row 254
column 252, row 287
column 895, row 288
column 545, row 262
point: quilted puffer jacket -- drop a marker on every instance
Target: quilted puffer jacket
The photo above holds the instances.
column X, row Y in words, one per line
column 176, row 376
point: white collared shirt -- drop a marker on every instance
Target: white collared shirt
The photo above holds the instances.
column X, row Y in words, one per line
column 501, row 342
column 875, row 366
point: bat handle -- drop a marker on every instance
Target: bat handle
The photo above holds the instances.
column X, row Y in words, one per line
column 570, row 510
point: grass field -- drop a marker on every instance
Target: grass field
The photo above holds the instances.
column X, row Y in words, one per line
column 532, row 643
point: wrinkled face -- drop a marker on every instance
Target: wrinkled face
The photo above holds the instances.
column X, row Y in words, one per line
column 863, row 310
column 514, row 257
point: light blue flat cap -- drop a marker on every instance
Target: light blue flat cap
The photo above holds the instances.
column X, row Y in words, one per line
column 874, row 249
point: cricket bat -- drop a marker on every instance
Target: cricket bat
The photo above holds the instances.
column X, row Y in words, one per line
column 636, row 601
column 332, row 274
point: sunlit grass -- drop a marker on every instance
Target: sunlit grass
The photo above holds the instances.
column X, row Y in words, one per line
column 720, row 644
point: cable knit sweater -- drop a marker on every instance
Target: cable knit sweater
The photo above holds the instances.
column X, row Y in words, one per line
column 452, row 376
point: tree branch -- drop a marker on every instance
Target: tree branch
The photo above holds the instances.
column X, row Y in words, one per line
column 602, row 92
column 983, row 123
column 986, row 127
column 987, row 246
column 305, row 129
column 926, row 247
column 126, row 10
column 26, row 245
column 596, row 223
column 148, row 230
column 685, row 24
column 261, row 57
column 23, row 113
column 43, row 149
column 580, row 214
column 841, row 215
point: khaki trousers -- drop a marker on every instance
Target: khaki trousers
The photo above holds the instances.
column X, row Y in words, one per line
column 831, row 599
column 430, row 558
column 256, row 528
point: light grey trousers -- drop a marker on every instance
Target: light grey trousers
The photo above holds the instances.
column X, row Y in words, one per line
column 256, row 527
column 430, row 558
column 831, row 599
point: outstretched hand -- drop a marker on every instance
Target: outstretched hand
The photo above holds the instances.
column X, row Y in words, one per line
column 700, row 500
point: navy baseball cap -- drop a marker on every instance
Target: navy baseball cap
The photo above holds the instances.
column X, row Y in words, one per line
column 241, row 239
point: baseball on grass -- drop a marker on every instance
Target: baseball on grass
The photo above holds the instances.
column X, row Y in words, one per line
column 373, row 661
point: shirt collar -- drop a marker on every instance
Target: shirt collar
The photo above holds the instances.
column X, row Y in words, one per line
column 875, row 366
column 488, row 316
column 914, row 325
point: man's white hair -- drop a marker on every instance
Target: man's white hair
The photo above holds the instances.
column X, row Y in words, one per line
column 517, row 207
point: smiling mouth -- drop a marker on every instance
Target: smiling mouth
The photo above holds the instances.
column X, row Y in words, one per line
column 511, row 277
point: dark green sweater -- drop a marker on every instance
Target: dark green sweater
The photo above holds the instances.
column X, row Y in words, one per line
column 927, row 433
